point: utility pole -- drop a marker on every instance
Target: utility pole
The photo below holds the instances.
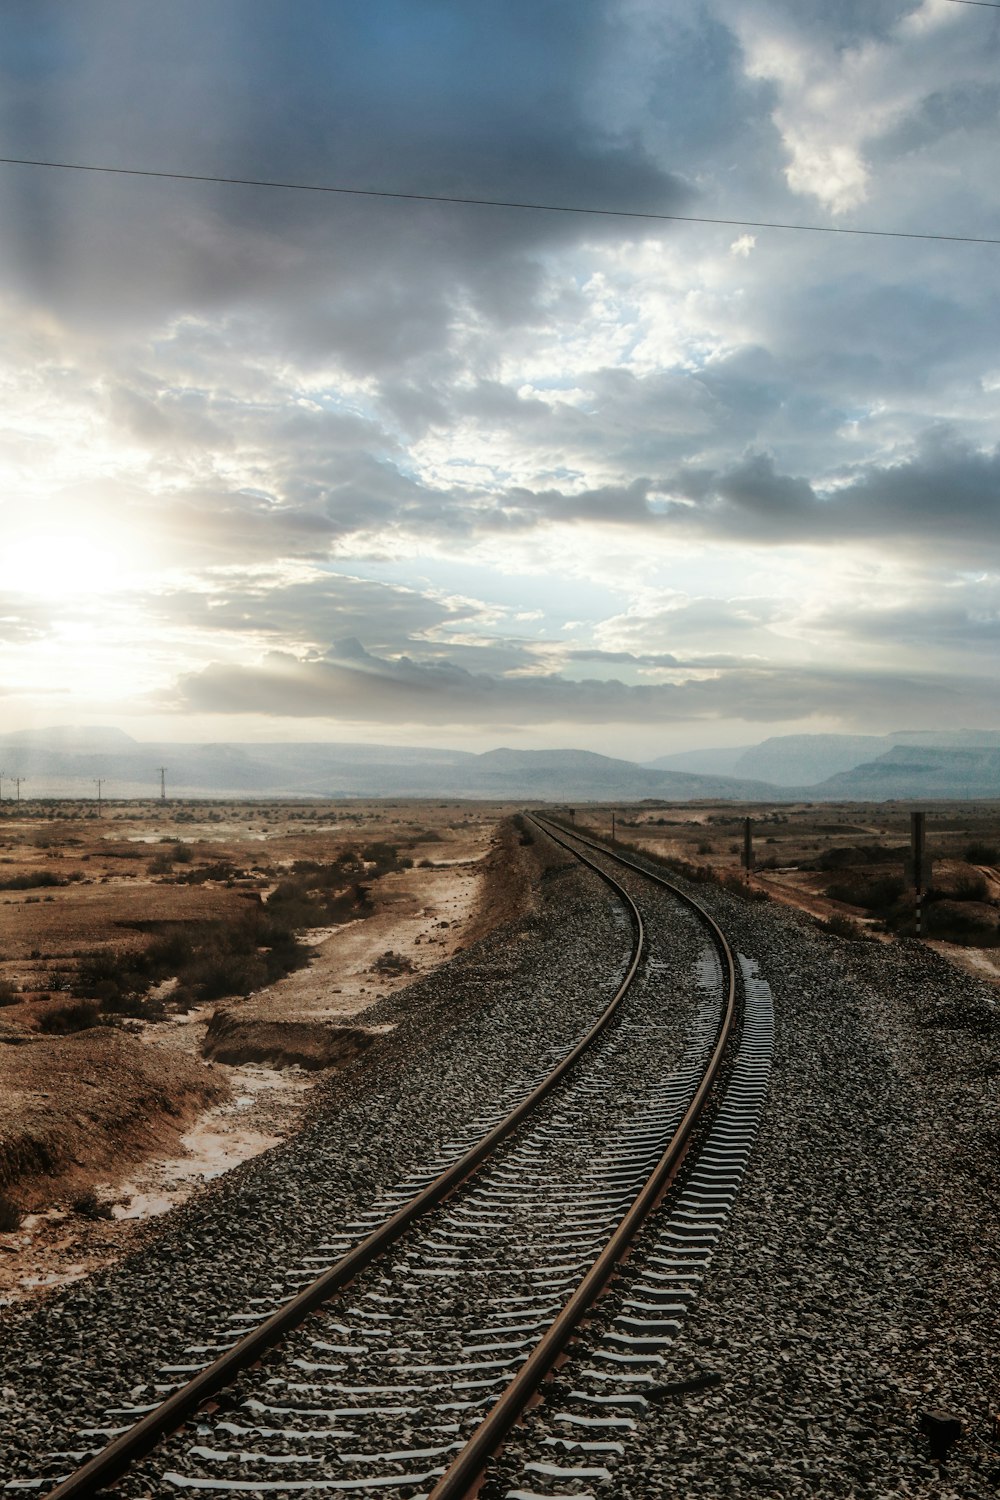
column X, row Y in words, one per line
column 17, row 782
column 2, row 775
column 99, row 782
column 748, row 846
column 612, row 827
column 163, row 783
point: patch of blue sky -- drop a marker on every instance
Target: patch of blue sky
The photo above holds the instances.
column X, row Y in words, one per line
column 552, row 601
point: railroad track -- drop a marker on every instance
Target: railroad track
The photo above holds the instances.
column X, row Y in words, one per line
column 397, row 1358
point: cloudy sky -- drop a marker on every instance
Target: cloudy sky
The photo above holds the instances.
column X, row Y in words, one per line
column 277, row 464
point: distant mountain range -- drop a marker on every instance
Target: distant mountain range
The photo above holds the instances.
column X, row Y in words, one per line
column 804, row 760
column 785, row 768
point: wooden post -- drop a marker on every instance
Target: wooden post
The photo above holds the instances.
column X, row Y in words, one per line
column 748, row 846
column 917, row 847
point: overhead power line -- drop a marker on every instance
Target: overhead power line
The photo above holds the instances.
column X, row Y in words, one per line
column 546, row 208
column 986, row 4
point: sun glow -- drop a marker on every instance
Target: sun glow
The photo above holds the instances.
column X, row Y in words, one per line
column 59, row 565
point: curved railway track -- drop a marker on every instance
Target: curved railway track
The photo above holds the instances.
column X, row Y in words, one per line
column 468, row 1284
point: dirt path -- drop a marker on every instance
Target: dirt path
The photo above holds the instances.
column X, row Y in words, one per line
column 420, row 921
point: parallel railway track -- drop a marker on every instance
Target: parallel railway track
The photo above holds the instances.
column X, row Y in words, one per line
column 421, row 1332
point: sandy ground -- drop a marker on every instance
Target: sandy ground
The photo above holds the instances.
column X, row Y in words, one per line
column 983, row 963
column 422, row 916
column 421, row 920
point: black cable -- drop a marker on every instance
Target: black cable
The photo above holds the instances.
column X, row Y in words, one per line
column 548, row 208
column 986, row 4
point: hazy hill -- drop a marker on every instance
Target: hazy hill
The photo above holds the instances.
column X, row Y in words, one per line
column 719, row 762
column 564, row 774
column 806, row 762
column 918, row 771
column 802, row 759
column 129, row 768
column 915, row 764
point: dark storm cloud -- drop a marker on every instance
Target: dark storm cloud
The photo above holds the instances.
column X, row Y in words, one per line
column 490, row 102
column 357, row 685
column 946, row 495
column 324, row 489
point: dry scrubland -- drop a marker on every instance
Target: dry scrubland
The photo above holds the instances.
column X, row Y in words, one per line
column 166, row 964
column 843, row 863
column 148, row 954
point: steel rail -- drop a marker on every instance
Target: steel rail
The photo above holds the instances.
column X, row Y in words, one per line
column 118, row 1456
column 463, row 1478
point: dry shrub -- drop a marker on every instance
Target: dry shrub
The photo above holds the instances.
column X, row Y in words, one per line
column 32, row 880
column 842, row 927
column 89, row 1206
column 390, row 963
column 74, row 1015
column 11, row 1217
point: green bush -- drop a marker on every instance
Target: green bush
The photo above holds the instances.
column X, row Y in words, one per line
column 9, row 994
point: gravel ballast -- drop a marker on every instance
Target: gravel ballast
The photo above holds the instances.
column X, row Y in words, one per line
column 855, row 1289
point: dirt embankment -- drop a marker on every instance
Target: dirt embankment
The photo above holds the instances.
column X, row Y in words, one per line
column 512, row 875
column 74, row 1108
column 235, row 1040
